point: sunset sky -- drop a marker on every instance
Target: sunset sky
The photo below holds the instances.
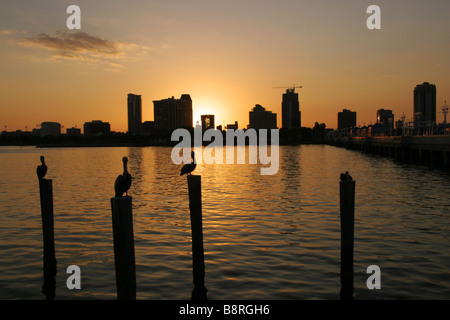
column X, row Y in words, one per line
column 228, row 55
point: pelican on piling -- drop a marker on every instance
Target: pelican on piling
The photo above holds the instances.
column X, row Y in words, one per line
column 188, row 168
column 41, row 169
column 123, row 181
column 346, row 176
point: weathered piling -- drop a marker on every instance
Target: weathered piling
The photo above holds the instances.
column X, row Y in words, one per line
column 50, row 269
column 198, row 259
column 124, row 258
column 347, row 217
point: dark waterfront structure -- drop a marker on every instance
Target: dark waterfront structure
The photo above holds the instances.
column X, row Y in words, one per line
column 290, row 110
column 234, row 126
column 259, row 118
column 134, row 114
column 147, row 127
column 73, row 131
column 208, row 121
column 173, row 113
column 346, row 119
column 433, row 150
column 425, row 104
column 96, row 127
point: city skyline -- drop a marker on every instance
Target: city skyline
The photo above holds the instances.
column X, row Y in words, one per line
column 171, row 113
column 227, row 56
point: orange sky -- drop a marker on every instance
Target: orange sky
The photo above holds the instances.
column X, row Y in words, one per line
column 227, row 55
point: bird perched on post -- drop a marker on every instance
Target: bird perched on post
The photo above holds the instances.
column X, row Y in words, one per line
column 189, row 167
column 123, row 181
column 41, row 169
column 346, row 176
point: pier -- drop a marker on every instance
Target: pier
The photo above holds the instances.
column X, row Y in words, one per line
column 432, row 150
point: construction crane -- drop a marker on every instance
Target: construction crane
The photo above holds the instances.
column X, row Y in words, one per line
column 289, row 88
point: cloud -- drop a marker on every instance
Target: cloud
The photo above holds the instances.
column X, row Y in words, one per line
column 11, row 32
column 85, row 47
column 73, row 45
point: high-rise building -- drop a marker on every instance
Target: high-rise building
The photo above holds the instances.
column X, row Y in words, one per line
column 290, row 110
column 259, row 118
column 50, row 129
column 386, row 118
column 425, row 103
column 173, row 113
column 207, row 121
column 346, row 119
column 96, row 127
column 134, row 114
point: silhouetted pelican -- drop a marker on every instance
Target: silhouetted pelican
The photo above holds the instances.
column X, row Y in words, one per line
column 123, row 181
column 188, row 168
column 42, row 169
column 346, row 176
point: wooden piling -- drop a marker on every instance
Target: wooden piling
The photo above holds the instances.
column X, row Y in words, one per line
column 445, row 159
column 347, row 217
column 50, row 269
column 124, row 258
column 198, row 259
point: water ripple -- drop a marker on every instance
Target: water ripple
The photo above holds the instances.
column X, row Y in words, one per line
column 265, row 237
